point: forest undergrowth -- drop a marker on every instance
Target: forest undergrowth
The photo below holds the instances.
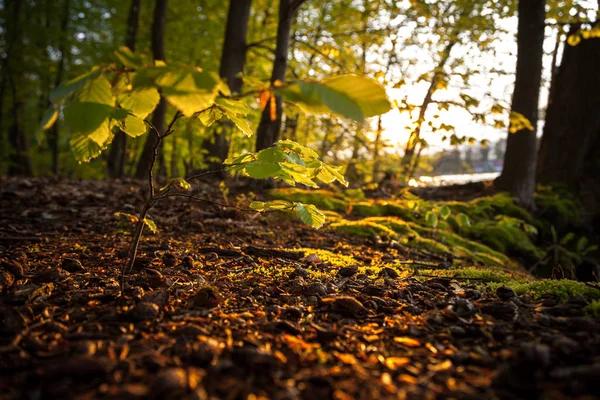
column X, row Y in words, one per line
column 404, row 297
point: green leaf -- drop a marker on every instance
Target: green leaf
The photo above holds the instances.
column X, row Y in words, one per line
column 188, row 89
column 139, row 102
column 242, row 123
column 230, row 106
column 463, row 220
column 352, row 96
column 50, row 117
column 309, row 214
column 432, row 220
column 151, row 225
column 128, row 58
column 328, row 174
column 130, row 217
column 554, row 235
column 210, row 116
column 303, row 151
column 178, row 183
column 271, row 154
column 262, row 170
column 258, row 205
column 271, row 205
column 581, row 244
column 132, row 126
column 567, row 238
column 74, row 85
column 90, row 120
column 445, row 212
column 84, row 148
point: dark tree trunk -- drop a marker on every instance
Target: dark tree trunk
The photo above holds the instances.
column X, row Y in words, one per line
column 19, row 161
column 116, row 156
column 158, row 117
column 518, row 174
column 53, row 133
column 269, row 130
column 233, row 60
column 570, row 149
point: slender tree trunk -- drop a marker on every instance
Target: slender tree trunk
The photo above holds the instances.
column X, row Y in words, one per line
column 415, row 136
column 269, row 130
column 233, row 60
column 19, row 161
column 53, row 133
column 117, row 154
column 518, row 174
column 158, row 117
column 570, row 150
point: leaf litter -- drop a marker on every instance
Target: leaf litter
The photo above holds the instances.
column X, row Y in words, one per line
column 221, row 305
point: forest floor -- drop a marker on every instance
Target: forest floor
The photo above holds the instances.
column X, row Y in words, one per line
column 224, row 304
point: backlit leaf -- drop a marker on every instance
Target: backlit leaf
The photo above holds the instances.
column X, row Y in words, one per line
column 310, row 215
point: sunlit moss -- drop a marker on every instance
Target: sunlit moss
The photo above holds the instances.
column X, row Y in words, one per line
column 362, row 228
column 593, row 308
column 484, row 275
column 562, row 288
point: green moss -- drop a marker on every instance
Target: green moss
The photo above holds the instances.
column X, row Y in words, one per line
column 486, row 275
column 562, row 288
column 468, row 247
column 506, row 238
column 367, row 209
column 362, row 228
column 498, row 204
column 593, row 308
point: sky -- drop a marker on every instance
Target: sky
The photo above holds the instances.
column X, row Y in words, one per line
column 483, row 86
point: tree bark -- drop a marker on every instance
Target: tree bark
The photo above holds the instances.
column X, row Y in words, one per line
column 53, row 133
column 570, row 149
column 518, row 174
column 233, row 60
column 19, row 161
column 158, row 117
column 116, row 156
column 408, row 162
column 269, row 131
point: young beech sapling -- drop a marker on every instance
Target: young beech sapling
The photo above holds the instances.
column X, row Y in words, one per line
column 121, row 95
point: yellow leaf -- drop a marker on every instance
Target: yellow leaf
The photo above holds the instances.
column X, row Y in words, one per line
column 393, row 363
column 407, row 341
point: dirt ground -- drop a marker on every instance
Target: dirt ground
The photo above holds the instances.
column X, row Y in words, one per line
column 223, row 304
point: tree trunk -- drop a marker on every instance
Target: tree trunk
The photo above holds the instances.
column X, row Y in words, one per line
column 518, row 174
column 116, row 156
column 158, row 117
column 415, row 136
column 233, row 60
column 53, row 133
column 19, row 161
column 269, row 130
column 570, row 149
